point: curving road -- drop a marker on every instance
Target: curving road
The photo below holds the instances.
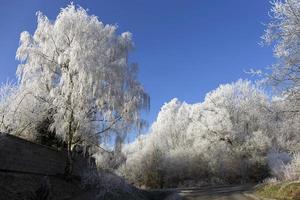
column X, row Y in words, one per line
column 230, row 192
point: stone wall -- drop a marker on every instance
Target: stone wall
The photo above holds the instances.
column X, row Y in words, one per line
column 21, row 156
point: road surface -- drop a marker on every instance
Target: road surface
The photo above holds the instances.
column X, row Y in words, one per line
column 216, row 193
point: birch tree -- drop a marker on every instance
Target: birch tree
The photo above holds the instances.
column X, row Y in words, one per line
column 77, row 67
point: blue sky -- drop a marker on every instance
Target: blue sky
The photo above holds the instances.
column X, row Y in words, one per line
column 185, row 48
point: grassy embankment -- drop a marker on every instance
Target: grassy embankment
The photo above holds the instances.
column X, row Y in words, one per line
column 280, row 191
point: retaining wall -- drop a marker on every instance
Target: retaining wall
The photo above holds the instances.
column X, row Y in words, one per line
column 21, row 156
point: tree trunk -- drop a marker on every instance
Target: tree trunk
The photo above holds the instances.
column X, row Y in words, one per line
column 69, row 162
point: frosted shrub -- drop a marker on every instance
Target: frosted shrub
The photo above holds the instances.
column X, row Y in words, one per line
column 291, row 171
column 270, row 181
column 284, row 167
column 276, row 162
column 106, row 184
column 7, row 92
column 109, row 160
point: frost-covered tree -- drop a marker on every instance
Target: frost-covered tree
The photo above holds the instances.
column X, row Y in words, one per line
column 75, row 72
column 284, row 31
column 236, row 116
column 224, row 139
column 233, row 111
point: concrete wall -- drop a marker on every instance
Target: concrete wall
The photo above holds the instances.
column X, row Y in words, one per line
column 18, row 155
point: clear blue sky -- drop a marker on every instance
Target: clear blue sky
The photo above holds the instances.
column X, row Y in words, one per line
column 185, row 48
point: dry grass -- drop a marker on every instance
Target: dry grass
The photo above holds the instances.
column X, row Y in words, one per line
column 281, row 191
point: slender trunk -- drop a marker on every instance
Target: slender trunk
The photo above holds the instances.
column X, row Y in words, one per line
column 69, row 163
